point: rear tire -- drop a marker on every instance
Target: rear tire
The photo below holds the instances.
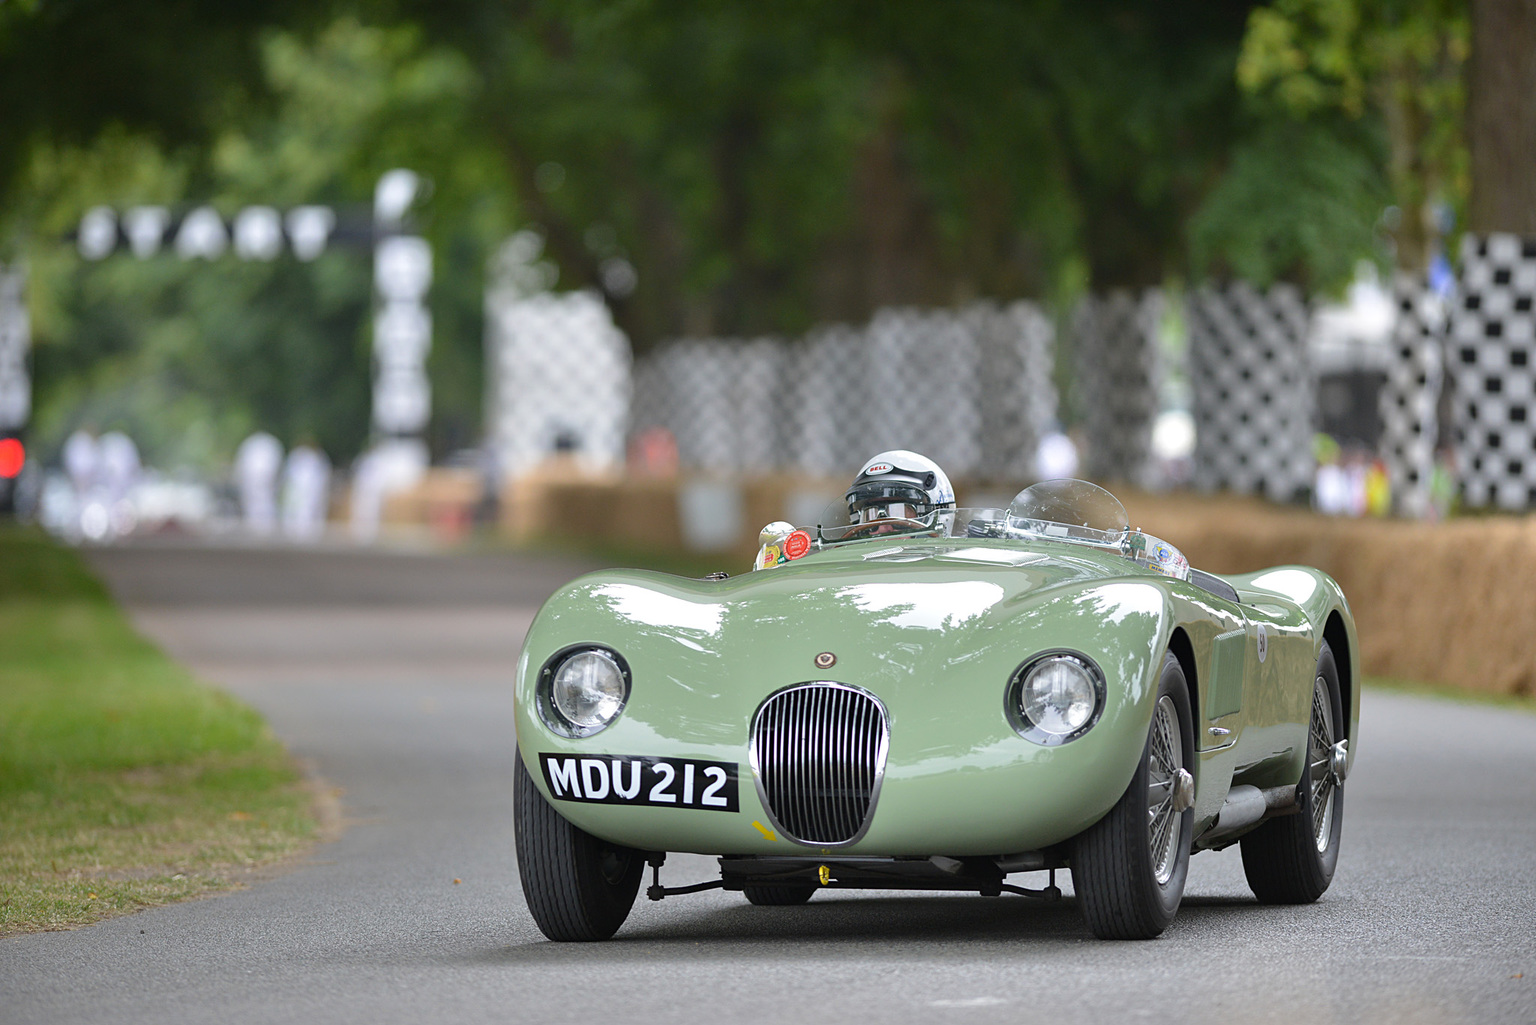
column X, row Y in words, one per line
column 779, row 895
column 1129, row 867
column 578, row 888
column 1290, row 860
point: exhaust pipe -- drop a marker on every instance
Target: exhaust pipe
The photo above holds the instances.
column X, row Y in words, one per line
column 1246, row 806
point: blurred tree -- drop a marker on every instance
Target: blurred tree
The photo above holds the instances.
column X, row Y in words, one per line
column 175, row 70
column 715, row 167
column 1354, row 69
column 765, row 168
column 190, row 356
column 1501, row 116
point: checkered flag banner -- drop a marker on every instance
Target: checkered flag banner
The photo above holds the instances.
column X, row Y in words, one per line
column 1410, row 396
column 1492, row 342
column 1118, row 372
column 559, row 379
column 1252, row 390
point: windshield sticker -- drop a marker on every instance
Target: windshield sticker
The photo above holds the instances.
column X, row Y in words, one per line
column 770, row 556
column 797, row 544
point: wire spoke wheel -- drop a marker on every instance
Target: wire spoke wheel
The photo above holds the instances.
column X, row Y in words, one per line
column 1290, row 859
column 1165, row 758
column 1319, row 758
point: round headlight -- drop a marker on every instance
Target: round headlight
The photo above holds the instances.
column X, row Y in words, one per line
column 588, row 689
column 1056, row 698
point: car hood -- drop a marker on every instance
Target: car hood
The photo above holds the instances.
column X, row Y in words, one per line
column 893, row 614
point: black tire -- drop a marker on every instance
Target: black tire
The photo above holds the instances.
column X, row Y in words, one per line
column 780, row 895
column 1281, row 858
column 579, row 888
column 1128, row 891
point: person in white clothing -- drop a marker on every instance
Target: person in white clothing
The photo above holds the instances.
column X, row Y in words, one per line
column 117, row 471
column 80, row 458
column 257, row 463
column 306, row 493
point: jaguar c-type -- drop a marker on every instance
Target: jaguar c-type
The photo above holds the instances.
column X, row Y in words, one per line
column 946, row 703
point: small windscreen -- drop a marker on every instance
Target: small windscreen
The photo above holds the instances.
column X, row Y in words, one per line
column 1070, row 510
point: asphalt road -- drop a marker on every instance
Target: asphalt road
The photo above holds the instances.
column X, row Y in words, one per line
column 390, row 673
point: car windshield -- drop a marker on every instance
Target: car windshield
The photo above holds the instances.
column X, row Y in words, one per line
column 1069, row 510
column 835, row 524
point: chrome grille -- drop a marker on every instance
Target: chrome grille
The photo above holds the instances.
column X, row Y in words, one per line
column 818, row 753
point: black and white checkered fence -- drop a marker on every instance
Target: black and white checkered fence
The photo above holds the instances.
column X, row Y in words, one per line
column 972, row 389
column 1118, row 372
column 1491, row 349
column 1252, row 390
column 15, row 342
column 924, row 372
column 1018, row 391
column 825, row 429
column 559, row 379
column 1410, row 396
column 721, row 400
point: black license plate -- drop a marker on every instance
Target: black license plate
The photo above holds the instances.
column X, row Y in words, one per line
column 642, row 780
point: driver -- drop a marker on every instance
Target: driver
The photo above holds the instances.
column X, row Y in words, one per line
column 898, row 491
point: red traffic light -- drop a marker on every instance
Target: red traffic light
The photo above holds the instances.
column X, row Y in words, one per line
column 13, row 455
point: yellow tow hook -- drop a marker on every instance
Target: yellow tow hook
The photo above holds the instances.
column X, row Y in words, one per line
column 824, row 874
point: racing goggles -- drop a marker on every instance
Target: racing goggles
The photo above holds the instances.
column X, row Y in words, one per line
column 887, row 500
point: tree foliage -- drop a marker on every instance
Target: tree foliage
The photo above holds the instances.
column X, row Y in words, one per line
column 761, row 167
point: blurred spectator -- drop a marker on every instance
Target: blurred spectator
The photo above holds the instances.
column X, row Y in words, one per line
column 257, row 463
column 653, row 453
column 1378, row 489
column 1056, row 457
column 1443, row 488
column 117, row 471
column 80, row 461
column 306, row 493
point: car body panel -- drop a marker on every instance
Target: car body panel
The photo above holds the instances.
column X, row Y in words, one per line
column 934, row 628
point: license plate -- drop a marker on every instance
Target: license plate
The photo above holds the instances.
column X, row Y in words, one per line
column 642, row 780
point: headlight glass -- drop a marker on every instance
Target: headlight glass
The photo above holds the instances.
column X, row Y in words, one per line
column 589, row 689
column 1056, row 697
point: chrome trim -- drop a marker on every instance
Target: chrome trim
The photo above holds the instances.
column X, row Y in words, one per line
column 841, row 760
column 1183, row 790
column 544, row 700
column 1013, row 705
column 1338, row 762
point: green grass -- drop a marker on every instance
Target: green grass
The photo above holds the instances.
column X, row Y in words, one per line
column 1522, row 702
column 124, row 783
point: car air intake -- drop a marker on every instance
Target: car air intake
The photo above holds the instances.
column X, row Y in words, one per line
column 818, row 751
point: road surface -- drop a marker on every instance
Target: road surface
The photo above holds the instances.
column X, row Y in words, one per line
column 391, row 674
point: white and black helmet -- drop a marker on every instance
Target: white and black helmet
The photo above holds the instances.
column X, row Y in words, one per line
column 898, row 485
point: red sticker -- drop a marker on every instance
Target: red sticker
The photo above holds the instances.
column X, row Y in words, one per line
column 797, row 544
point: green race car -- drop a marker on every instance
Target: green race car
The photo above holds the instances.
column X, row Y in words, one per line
column 937, row 703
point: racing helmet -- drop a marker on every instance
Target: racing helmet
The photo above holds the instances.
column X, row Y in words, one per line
column 899, row 485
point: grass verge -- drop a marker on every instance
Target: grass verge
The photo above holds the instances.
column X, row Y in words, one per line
column 1447, row 692
column 124, row 783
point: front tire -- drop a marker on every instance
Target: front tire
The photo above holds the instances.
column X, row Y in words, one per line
column 578, row 888
column 1290, row 860
column 1129, row 867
